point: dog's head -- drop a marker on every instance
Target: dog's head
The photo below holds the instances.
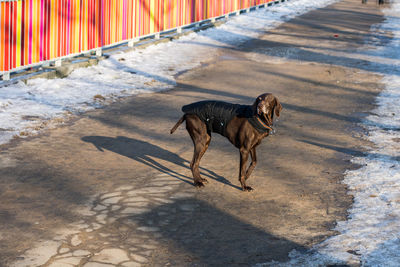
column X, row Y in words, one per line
column 266, row 106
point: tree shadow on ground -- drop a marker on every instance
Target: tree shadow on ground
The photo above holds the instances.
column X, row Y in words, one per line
column 194, row 233
column 353, row 152
column 150, row 155
column 34, row 197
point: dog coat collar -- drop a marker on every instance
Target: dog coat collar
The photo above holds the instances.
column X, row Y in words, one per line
column 259, row 125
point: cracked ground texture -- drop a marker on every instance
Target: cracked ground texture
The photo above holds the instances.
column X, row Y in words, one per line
column 113, row 187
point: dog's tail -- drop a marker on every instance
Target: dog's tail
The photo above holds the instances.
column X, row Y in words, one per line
column 181, row 120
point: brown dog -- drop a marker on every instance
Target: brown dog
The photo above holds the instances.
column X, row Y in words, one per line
column 244, row 125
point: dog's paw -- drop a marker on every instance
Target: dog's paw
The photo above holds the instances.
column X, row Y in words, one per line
column 198, row 184
column 204, row 181
column 247, row 188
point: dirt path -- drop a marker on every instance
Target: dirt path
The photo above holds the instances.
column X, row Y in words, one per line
column 113, row 188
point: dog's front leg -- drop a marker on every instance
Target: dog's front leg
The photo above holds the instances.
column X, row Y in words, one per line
column 244, row 155
column 253, row 163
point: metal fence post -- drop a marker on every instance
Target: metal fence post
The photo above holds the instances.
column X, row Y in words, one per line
column 132, row 42
column 99, row 52
column 6, row 76
column 58, row 62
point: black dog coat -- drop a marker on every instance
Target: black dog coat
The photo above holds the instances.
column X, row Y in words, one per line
column 217, row 114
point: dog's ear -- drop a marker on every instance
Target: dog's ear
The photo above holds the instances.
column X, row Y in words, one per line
column 278, row 107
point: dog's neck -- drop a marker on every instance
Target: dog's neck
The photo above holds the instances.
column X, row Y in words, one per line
column 263, row 123
column 260, row 125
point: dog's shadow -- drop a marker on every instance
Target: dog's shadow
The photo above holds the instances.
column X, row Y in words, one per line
column 150, row 155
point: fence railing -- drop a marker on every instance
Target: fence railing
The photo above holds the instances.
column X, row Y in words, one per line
column 39, row 31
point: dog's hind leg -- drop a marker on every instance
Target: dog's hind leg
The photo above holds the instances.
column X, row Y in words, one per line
column 199, row 150
column 201, row 139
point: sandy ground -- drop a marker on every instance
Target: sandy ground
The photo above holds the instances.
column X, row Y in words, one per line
column 114, row 186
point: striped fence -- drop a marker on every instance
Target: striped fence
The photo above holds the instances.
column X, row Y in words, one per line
column 37, row 31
